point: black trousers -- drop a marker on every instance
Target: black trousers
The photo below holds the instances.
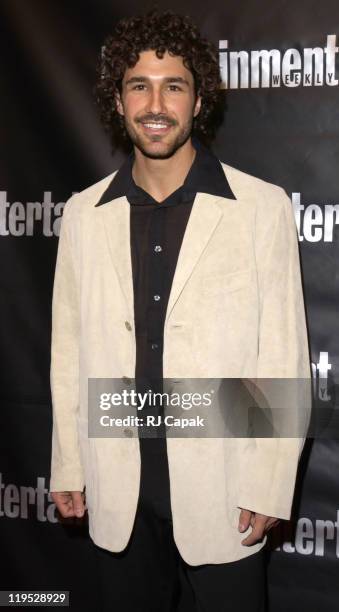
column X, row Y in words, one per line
column 150, row 575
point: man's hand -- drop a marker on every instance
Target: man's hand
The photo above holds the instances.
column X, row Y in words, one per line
column 260, row 523
column 69, row 503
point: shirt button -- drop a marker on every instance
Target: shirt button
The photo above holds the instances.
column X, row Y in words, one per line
column 154, row 346
column 156, row 298
column 128, row 325
column 158, row 248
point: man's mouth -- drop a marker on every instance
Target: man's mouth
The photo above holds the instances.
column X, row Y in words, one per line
column 152, row 126
column 156, row 126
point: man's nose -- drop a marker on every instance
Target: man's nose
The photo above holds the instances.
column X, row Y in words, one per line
column 156, row 103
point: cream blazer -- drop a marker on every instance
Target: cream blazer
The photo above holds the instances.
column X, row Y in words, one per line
column 235, row 310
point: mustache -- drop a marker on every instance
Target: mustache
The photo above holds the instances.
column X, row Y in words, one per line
column 156, row 119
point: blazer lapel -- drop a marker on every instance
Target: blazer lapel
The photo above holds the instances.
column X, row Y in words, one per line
column 204, row 218
column 115, row 216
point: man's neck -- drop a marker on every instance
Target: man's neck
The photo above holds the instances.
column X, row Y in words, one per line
column 161, row 177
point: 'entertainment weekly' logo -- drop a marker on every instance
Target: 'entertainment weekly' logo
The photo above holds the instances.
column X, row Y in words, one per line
column 308, row 67
column 315, row 223
column 25, row 502
column 320, row 377
column 30, row 218
column 312, row 537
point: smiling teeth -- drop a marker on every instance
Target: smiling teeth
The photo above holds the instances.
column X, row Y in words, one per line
column 156, row 126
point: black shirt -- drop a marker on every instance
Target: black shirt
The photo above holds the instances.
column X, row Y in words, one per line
column 157, row 230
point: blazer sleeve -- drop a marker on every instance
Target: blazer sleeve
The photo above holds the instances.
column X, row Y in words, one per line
column 66, row 469
column 270, row 463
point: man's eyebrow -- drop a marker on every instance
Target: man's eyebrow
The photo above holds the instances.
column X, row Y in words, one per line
column 176, row 80
column 136, row 80
column 143, row 79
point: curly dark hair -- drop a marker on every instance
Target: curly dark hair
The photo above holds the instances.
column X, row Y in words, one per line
column 160, row 32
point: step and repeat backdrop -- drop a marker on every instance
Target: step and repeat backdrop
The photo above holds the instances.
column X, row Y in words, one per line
column 280, row 70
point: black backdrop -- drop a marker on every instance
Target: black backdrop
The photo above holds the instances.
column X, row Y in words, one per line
column 53, row 144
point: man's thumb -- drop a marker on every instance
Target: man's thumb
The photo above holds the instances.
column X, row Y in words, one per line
column 244, row 520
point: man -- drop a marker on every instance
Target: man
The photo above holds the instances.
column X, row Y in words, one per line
column 175, row 266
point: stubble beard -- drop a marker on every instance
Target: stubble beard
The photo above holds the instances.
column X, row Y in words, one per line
column 168, row 151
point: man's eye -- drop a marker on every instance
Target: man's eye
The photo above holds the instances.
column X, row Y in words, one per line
column 176, row 88
column 137, row 86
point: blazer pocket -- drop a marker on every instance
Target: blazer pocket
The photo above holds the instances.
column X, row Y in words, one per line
column 226, row 282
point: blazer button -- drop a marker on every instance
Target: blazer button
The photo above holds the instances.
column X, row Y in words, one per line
column 128, row 325
column 128, row 433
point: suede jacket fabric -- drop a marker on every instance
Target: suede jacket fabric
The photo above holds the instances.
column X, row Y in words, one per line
column 235, row 310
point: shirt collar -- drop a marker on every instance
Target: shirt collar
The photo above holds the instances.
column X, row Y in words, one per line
column 206, row 175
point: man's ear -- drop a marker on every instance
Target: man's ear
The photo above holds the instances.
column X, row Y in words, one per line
column 118, row 103
column 197, row 106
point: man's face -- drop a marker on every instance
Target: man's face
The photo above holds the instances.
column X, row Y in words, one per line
column 158, row 103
